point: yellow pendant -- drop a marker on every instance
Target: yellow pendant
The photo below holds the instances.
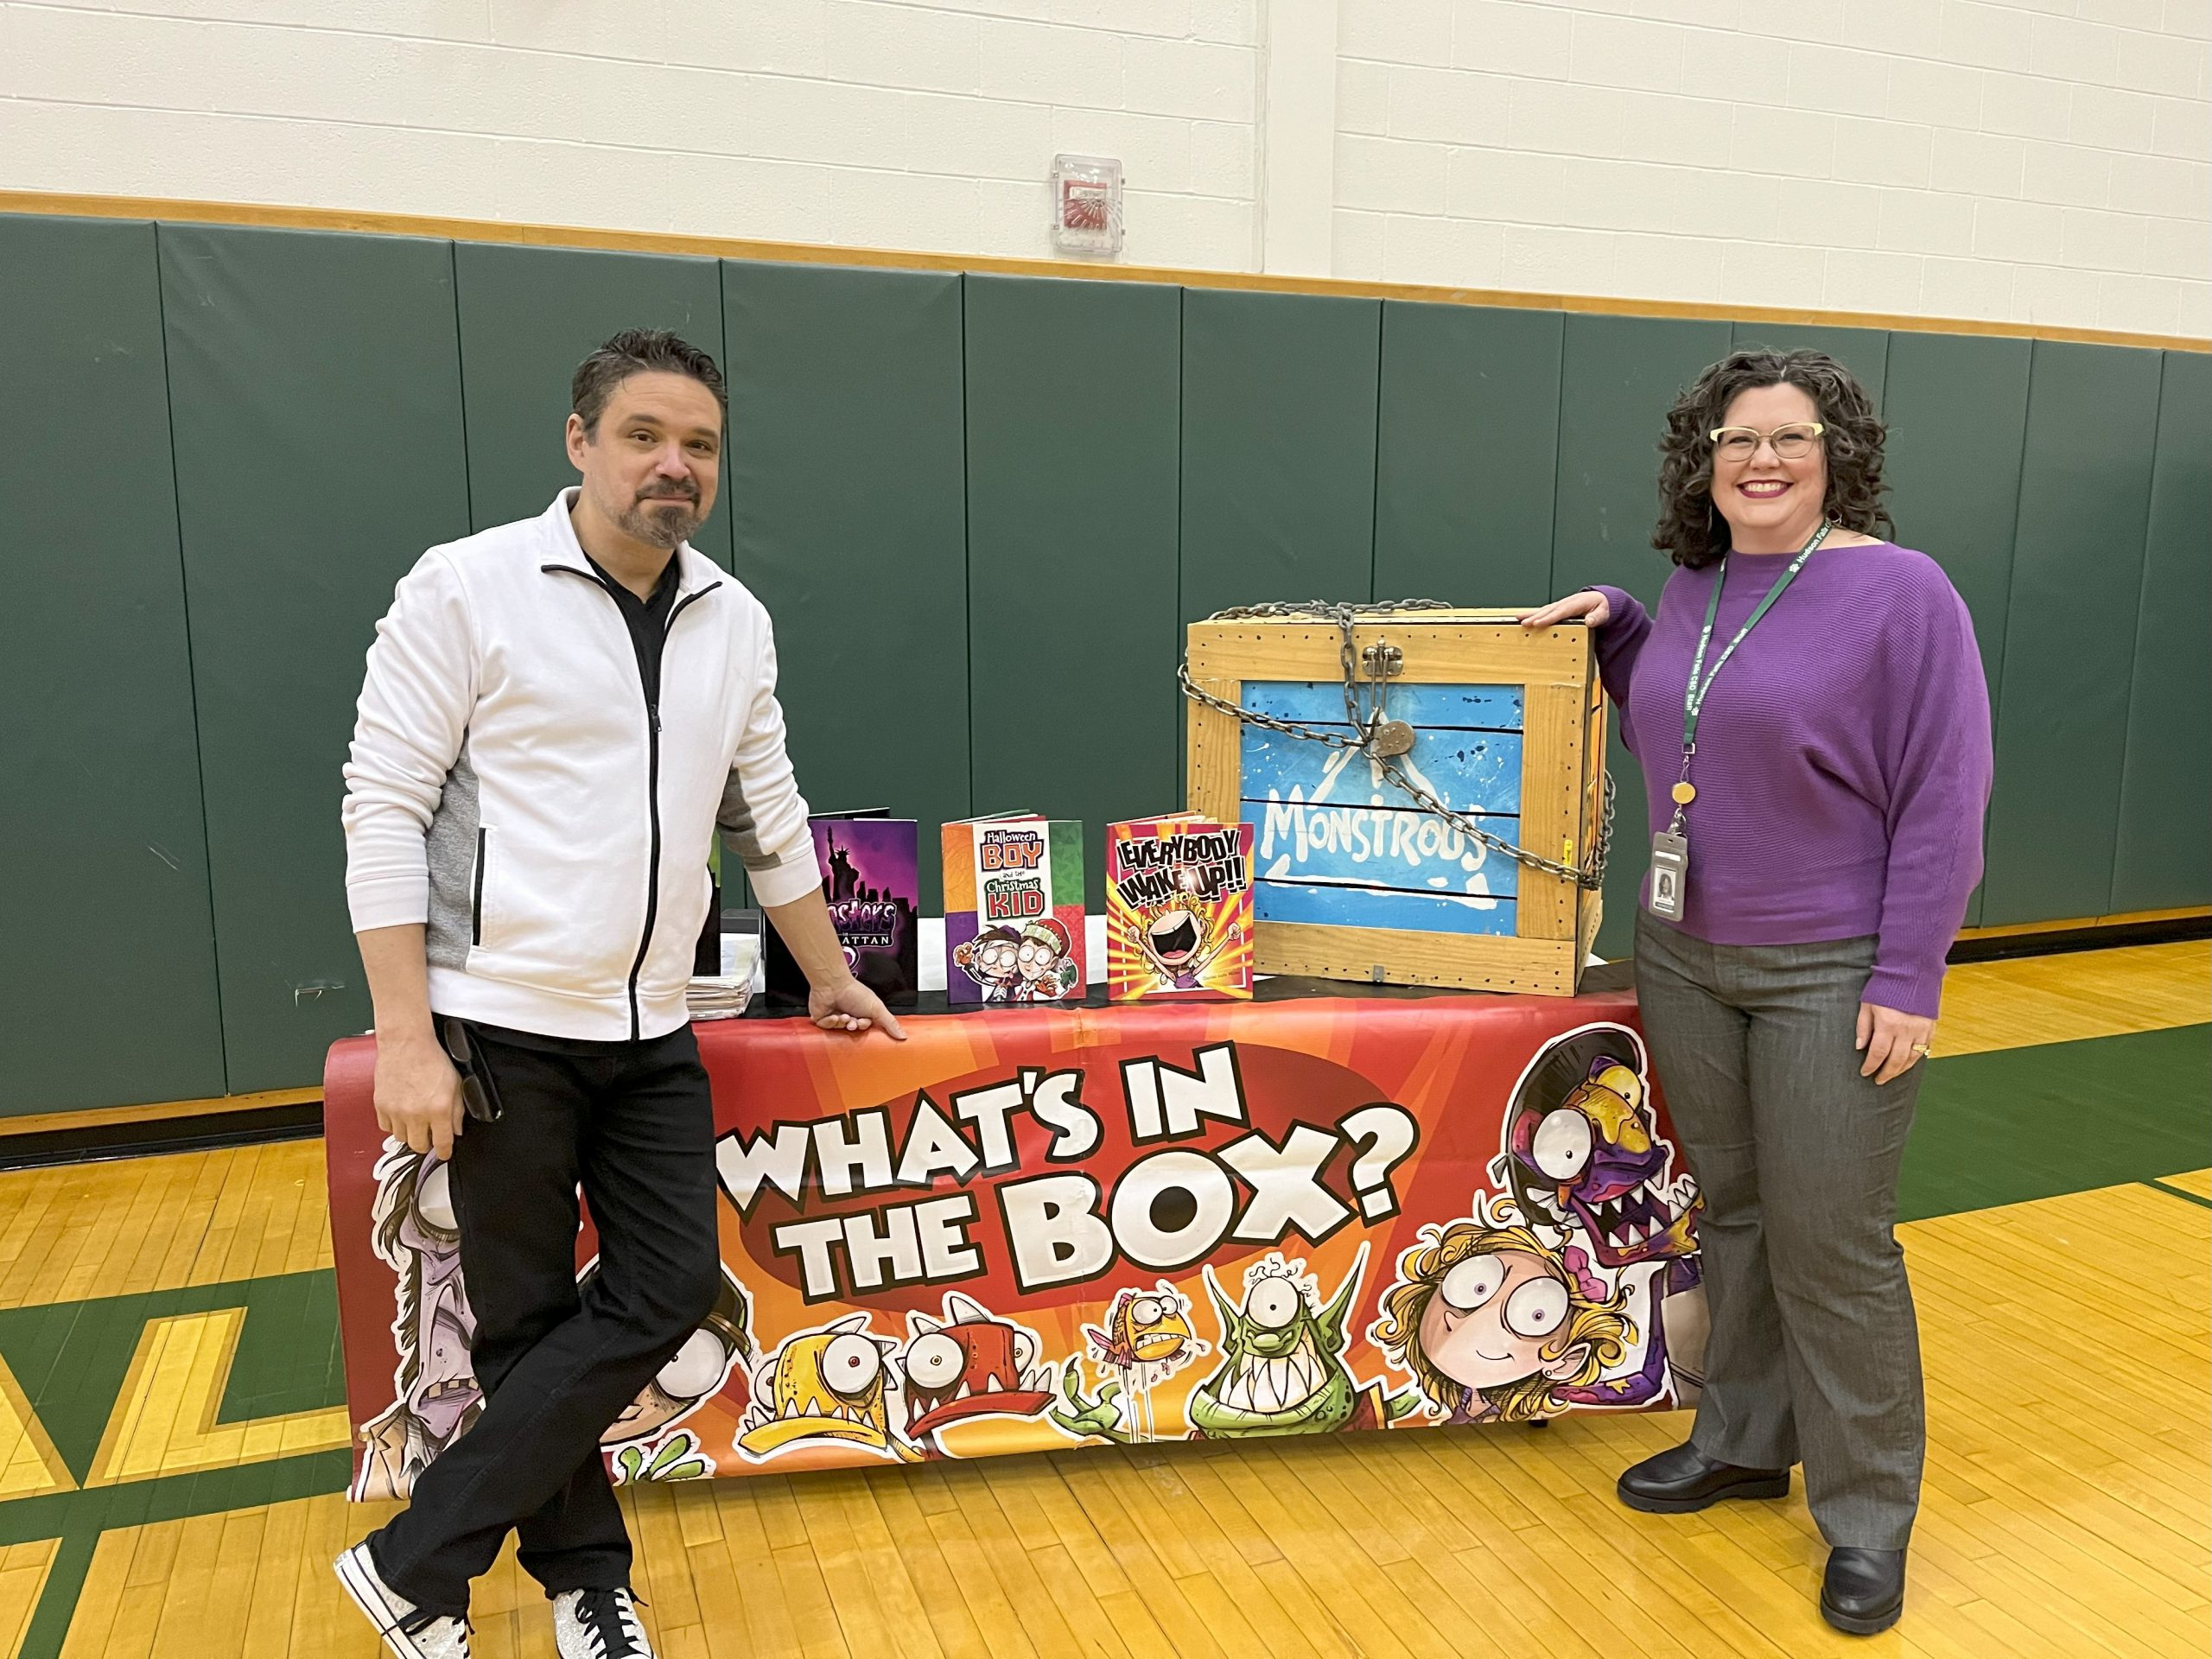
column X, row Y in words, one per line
column 1684, row 793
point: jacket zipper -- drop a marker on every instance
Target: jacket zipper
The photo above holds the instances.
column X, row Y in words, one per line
column 652, row 776
column 476, row 897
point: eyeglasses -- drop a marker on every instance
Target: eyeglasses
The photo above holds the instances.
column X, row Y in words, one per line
column 1791, row 443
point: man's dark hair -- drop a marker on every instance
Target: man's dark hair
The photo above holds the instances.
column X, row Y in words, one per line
column 637, row 351
column 1691, row 530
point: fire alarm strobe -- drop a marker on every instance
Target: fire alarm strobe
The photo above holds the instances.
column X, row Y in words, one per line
column 1086, row 204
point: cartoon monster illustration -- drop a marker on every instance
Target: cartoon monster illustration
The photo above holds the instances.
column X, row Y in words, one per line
column 1146, row 1338
column 652, row 1447
column 1497, row 1326
column 991, row 959
column 417, row 1236
column 675, row 1456
column 972, row 1363
column 1041, row 961
column 435, row 1396
column 1583, row 1153
column 1282, row 1366
column 832, row 1383
column 1174, row 943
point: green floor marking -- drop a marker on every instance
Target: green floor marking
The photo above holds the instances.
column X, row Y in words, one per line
column 2022, row 1123
column 78, row 1519
column 2180, row 1193
column 72, row 1358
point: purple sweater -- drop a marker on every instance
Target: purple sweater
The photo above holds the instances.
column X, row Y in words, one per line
column 1843, row 756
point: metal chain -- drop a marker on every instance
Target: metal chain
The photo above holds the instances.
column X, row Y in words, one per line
column 1364, row 725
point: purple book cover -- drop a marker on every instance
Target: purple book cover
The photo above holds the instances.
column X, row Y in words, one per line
column 871, row 880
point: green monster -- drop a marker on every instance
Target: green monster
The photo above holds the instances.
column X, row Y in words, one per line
column 1282, row 1368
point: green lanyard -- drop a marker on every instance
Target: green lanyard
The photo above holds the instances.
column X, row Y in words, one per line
column 1701, row 681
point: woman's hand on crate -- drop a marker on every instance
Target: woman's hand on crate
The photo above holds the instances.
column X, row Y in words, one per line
column 1589, row 605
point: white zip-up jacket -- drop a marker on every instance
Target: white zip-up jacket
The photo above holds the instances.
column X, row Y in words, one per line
column 509, row 786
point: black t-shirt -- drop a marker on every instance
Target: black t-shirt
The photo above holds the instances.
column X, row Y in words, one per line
column 647, row 619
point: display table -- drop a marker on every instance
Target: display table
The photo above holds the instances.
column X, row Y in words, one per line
column 1036, row 1228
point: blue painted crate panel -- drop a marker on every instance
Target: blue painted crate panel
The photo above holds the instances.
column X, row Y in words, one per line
column 1328, row 905
column 1375, row 846
column 1428, row 707
column 1337, row 844
column 1477, row 772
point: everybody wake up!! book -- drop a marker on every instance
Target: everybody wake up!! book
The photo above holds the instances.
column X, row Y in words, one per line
column 1013, row 910
column 1179, row 910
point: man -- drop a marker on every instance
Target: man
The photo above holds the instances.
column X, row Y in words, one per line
column 558, row 714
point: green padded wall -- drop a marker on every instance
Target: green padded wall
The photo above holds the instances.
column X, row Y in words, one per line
column 1466, row 449
column 932, row 514
column 319, row 452
column 528, row 316
column 1865, row 351
column 2070, row 642
column 102, row 837
column 847, row 507
column 1073, row 494
column 1278, row 445
column 2165, row 858
column 1619, row 377
column 1957, row 411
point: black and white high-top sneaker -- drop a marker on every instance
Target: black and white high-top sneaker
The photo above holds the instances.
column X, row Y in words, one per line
column 408, row 1631
column 598, row 1624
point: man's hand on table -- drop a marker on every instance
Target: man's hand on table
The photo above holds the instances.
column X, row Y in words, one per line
column 848, row 1005
column 419, row 1093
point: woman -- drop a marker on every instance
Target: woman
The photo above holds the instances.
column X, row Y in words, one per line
column 1817, row 830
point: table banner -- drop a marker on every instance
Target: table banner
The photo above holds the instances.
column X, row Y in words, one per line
column 1028, row 1230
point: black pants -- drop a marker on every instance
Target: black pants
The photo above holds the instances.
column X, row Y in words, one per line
column 557, row 1364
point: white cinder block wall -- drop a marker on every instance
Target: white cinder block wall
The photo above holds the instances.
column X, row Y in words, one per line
column 2046, row 161
column 854, row 121
column 2040, row 161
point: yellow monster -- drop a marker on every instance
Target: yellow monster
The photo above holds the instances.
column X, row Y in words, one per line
column 830, row 1384
column 1142, row 1328
column 1148, row 1338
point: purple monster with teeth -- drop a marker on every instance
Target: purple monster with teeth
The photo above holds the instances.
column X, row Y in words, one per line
column 1583, row 1155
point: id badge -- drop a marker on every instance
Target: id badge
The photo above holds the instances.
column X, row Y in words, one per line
column 1670, row 875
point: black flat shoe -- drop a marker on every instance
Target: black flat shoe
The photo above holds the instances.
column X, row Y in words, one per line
column 1682, row 1478
column 1863, row 1592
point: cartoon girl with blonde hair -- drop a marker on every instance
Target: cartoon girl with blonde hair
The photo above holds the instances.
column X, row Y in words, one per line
column 1497, row 1326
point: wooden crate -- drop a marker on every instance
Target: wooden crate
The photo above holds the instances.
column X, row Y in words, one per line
column 1508, row 721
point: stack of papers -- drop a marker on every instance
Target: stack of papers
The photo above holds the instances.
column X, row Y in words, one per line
column 717, row 996
column 723, row 995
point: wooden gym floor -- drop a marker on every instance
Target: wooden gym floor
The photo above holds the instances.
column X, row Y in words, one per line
column 172, row 1435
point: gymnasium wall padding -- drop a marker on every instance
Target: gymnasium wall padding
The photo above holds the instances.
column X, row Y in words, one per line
column 1957, row 410
column 318, row 423
column 1619, row 377
column 1278, row 403
column 979, row 510
column 528, row 316
column 2165, row 858
column 1466, row 449
column 2070, row 637
column 107, row 949
column 849, row 510
column 1073, row 496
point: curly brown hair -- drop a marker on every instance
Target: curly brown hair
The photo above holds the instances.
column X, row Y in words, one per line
column 1691, row 531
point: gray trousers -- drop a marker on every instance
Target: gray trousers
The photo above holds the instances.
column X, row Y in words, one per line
column 1815, row 1356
